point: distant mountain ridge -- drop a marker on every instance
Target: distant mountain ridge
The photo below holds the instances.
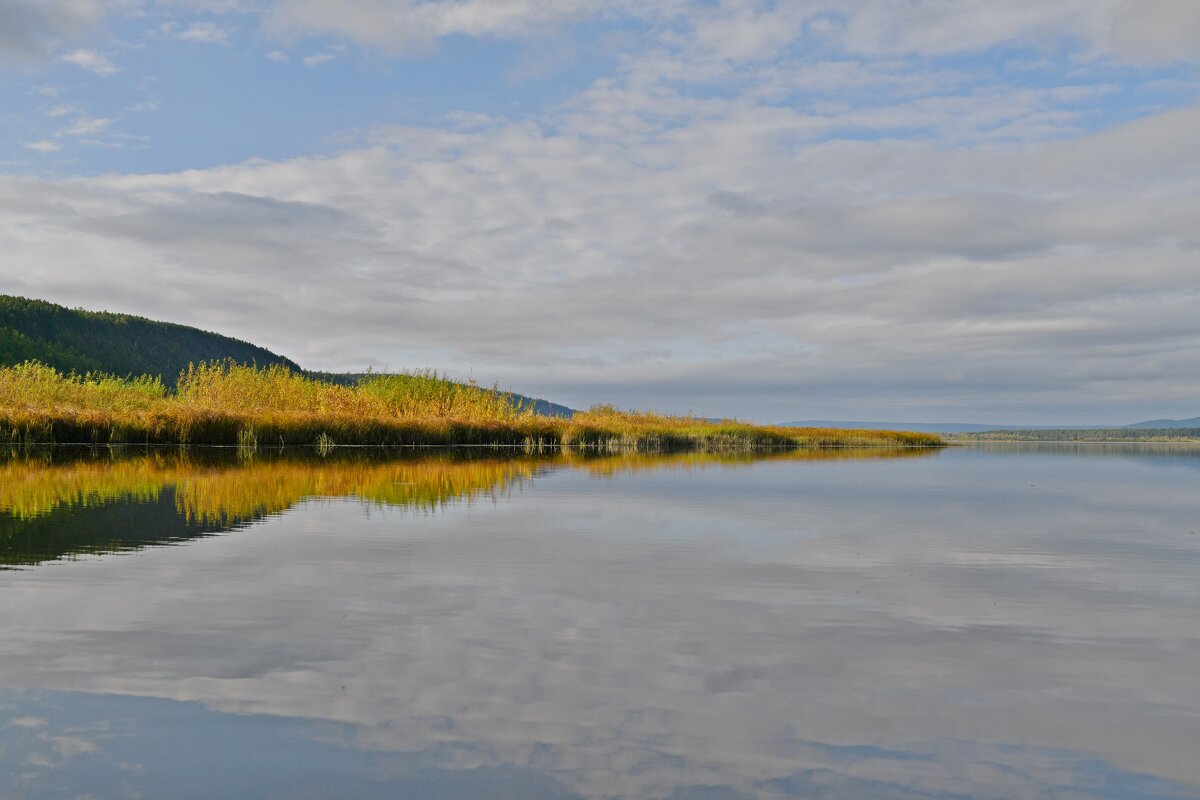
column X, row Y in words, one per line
column 1194, row 422
column 75, row 340
column 972, row 427
column 918, row 427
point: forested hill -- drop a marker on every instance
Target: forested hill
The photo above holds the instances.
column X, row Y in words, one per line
column 86, row 341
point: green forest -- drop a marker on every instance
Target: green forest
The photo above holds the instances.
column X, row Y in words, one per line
column 73, row 340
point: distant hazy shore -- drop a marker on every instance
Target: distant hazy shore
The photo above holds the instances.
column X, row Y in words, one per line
column 1104, row 435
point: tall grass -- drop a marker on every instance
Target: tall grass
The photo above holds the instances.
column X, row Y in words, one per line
column 229, row 404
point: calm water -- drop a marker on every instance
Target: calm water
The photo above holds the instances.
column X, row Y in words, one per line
column 980, row 623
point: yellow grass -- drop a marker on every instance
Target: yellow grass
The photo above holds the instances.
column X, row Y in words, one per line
column 225, row 404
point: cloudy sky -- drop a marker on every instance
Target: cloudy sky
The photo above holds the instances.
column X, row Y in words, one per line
column 977, row 210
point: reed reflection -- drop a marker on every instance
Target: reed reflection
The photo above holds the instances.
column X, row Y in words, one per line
column 60, row 504
column 969, row 624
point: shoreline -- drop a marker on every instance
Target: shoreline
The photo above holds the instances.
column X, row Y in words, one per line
column 249, row 407
column 536, row 433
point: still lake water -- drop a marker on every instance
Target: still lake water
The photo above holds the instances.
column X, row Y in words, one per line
column 1000, row 622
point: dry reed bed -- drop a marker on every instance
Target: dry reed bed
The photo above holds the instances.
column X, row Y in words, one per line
column 226, row 404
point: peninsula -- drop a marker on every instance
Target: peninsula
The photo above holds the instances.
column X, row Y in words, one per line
column 231, row 393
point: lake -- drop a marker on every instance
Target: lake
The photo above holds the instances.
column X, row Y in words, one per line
column 976, row 622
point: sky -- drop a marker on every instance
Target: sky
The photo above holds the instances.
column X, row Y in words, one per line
column 928, row 210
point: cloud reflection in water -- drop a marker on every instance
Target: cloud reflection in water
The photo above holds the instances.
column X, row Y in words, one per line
column 977, row 623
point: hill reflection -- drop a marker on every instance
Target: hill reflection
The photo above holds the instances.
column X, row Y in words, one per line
column 62, row 504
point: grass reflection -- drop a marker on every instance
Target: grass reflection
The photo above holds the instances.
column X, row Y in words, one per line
column 633, row 462
column 56, row 505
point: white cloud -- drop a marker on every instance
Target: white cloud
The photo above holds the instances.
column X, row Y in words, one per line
column 91, row 61
column 317, row 59
column 407, row 24
column 738, row 31
column 30, row 28
column 44, row 147
column 83, row 125
column 105, row 143
column 786, row 196
column 1157, row 30
column 657, row 264
column 278, row 56
column 28, row 722
column 60, row 110
column 747, row 31
column 69, row 747
column 198, row 32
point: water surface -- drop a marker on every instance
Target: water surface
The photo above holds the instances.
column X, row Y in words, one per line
column 991, row 622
